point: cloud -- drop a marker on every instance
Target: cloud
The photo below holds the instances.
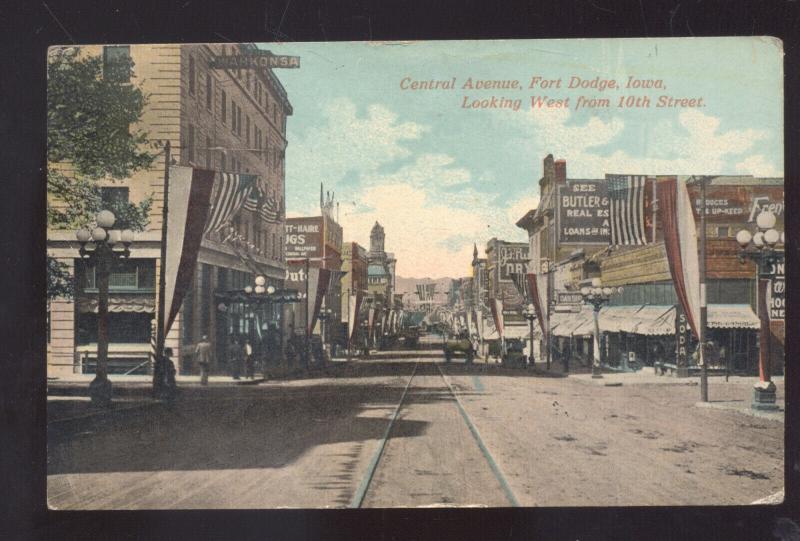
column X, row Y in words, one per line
column 428, row 170
column 757, row 165
column 345, row 141
column 692, row 143
column 429, row 235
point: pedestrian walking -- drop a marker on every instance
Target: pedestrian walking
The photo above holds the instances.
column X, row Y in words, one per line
column 249, row 360
column 170, row 386
column 202, row 356
column 235, row 358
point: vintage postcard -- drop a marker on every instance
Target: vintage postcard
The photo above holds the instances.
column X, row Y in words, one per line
column 415, row 274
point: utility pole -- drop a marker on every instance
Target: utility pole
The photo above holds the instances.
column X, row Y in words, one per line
column 308, row 316
column 654, row 207
column 703, row 307
column 159, row 368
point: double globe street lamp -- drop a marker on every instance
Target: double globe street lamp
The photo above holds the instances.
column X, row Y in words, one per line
column 529, row 313
column 99, row 247
column 761, row 247
column 598, row 296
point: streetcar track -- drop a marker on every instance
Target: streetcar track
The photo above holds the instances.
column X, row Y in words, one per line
column 360, row 495
column 358, row 498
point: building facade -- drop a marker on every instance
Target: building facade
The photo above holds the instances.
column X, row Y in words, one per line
column 503, row 259
column 641, row 325
column 315, row 242
column 225, row 120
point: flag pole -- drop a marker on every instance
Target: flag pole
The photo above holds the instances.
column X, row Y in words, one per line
column 158, row 368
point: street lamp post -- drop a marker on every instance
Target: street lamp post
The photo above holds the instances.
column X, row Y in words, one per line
column 324, row 315
column 598, row 296
column 99, row 248
column 761, row 248
column 529, row 313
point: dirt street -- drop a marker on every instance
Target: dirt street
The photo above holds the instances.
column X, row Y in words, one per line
column 512, row 436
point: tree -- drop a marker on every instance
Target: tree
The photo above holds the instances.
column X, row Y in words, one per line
column 91, row 135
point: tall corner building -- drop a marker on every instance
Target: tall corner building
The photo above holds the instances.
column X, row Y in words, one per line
column 227, row 120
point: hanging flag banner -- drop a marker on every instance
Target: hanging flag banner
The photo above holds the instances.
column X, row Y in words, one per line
column 536, row 299
column 479, row 323
column 370, row 321
column 189, row 201
column 680, row 242
column 353, row 309
column 497, row 314
column 318, row 280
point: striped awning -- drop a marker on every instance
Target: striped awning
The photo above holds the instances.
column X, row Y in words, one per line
column 655, row 320
column 119, row 303
column 732, row 316
column 573, row 323
column 619, row 318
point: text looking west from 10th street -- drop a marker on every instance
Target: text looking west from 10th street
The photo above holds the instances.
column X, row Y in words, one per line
column 549, row 93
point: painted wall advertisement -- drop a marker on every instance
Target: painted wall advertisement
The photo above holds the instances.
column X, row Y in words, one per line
column 777, row 294
column 513, row 259
column 739, row 203
column 303, row 238
column 583, row 212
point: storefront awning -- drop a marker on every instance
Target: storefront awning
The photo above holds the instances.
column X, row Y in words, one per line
column 655, row 320
column 732, row 316
column 523, row 332
column 619, row 318
column 573, row 323
column 119, row 303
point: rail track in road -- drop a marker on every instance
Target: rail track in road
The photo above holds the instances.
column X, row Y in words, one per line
column 367, row 481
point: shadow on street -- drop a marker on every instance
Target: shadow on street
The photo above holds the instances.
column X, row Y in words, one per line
column 229, row 427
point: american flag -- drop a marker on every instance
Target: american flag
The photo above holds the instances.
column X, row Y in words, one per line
column 521, row 283
column 627, row 198
column 426, row 291
column 233, row 190
column 265, row 205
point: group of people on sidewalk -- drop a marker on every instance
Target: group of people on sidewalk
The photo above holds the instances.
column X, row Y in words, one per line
column 239, row 356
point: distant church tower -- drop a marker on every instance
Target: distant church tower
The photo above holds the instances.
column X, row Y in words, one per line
column 376, row 239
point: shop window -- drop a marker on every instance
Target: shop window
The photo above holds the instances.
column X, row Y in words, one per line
column 131, row 275
column 192, row 75
column 190, row 143
column 111, row 197
column 187, row 316
column 209, row 91
column 223, row 96
column 123, row 327
column 247, row 129
column 117, row 63
column 205, row 298
column 222, row 162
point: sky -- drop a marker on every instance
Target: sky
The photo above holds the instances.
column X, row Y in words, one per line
column 440, row 176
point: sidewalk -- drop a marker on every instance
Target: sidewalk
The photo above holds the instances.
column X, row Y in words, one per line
column 646, row 376
column 743, row 406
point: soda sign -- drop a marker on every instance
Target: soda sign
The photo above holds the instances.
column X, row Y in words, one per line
column 682, row 335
